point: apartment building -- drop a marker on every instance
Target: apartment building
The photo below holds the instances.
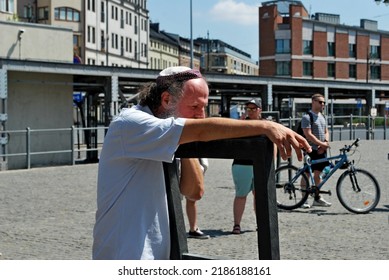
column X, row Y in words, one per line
column 8, row 9
column 298, row 45
column 186, row 51
column 218, row 56
column 116, row 33
column 106, row 32
column 164, row 51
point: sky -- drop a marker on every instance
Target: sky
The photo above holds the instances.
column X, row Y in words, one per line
column 236, row 21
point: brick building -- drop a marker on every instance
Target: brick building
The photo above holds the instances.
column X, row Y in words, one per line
column 298, row 45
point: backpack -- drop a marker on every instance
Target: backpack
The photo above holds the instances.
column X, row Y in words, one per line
column 299, row 129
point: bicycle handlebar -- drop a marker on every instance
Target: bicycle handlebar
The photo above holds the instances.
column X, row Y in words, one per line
column 348, row 148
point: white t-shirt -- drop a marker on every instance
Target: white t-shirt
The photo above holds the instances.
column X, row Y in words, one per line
column 132, row 220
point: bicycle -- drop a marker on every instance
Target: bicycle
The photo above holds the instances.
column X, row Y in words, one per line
column 360, row 194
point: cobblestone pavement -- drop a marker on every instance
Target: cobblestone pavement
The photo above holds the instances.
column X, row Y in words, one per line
column 48, row 213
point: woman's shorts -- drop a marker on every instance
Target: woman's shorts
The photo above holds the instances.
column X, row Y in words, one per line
column 243, row 176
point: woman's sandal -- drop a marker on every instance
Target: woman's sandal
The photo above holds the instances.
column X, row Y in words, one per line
column 236, row 229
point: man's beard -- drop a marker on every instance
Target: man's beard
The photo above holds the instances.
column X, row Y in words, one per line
column 169, row 112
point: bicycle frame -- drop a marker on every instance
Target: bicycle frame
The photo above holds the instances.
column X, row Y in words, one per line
column 342, row 157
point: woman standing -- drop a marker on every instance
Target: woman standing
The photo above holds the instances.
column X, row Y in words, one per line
column 242, row 170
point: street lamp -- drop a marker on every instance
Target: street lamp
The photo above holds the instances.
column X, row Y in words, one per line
column 386, row 2
column 191, row 36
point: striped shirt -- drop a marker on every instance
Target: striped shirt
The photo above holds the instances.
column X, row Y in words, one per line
column 318, row 126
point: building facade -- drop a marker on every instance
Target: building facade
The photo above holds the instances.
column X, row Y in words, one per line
column 8, row 9
column 106, row 32
column 186, row 51
column 164, row 51
column 220, row 57
column 298, row 45
column 116, row 33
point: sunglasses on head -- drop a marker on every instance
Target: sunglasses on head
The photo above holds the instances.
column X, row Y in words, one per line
column 321, row 102
column 248, row 109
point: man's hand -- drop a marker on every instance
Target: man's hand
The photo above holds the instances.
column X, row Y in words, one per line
column 286, row 139
column 323, row 147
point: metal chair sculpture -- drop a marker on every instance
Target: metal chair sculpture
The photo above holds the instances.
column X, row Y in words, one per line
column 260, row 151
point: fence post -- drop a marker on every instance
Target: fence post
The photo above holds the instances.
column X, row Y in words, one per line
column 340, row 134
column 332, row 128
column 28, row 147
column 351, row 126
column 385, row 120
column 72, row 144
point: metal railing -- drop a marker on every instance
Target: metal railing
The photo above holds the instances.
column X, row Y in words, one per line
column 351, row 127
column 341, row 128
column 78, row 146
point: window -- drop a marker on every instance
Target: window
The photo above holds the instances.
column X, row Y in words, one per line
column 136, row 50
column 91, row 5
column 121, row 18
column 27, row 11
column 136, row 25
column 375, row 52
column 115, row 41
column 91, row 35
column 102, row 39
column 121, row 45
column 7, row 6
column 352, row 71
column 102, row 16
column 283, row 68
column 91, row 61
column 43, row 13
column 307, row 69
column 307, row 47
column 66, row 14
column 283, row 46
column 331, row 49
column 375, row 72
column 331, row 70
column 145, row 50
column 352, row 50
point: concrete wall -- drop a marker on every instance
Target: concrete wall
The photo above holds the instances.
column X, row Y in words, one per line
column 38, row 42
column 39, row 101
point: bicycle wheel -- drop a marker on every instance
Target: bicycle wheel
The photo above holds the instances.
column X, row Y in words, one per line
column 358, row 191
column 289, row 190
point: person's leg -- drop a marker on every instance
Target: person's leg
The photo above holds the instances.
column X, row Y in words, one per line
column 191, row 212
column 316, row 177
column 238, row 209
column 319, row 201
column 243, row 180
column 304, row 187
column 192, row 188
